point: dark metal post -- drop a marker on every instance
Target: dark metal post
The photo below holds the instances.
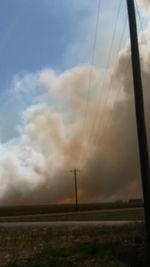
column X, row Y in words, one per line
column 140, row 118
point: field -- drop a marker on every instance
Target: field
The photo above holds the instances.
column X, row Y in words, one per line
column 60, row 208
column 130, row 214
column 86, row 212
column 73, row 245
column 117, row 246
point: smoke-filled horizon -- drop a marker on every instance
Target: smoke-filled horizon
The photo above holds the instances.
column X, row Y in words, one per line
column 83, row 117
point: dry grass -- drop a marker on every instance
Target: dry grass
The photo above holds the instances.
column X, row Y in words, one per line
column 127, row 214
column 117, row 246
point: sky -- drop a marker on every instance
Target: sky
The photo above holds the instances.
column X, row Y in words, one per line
column 42, row 34
column 57, row 62
column 37, row 34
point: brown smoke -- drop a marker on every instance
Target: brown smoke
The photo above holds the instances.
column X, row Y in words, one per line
column 89, row 127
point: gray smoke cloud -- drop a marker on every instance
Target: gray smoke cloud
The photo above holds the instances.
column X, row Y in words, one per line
column 91, row 128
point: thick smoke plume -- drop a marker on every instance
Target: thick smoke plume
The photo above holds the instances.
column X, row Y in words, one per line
column 88, row 122
column 145, row 5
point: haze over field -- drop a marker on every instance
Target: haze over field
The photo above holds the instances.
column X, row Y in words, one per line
column 81, row 114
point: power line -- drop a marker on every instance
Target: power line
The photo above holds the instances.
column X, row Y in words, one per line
column 120, row 43
column 92, row 62
column 118, row 92
column 145, row 8
column 107, row 65
column 141, row 23
column 110, row 83
column 108, row 62
column 85, row 109
column 143, row 32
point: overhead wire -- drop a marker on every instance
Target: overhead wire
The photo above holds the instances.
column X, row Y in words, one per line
column 146, row 7
column 141, row 22
column 147, row 43
column 120, row 88
column 105, row 122
column 92, row 130
column 118, row 92
column 85, row 109
column 92, row 61
column 116, row 97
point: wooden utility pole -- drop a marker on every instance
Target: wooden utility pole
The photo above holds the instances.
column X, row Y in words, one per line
column 140, row 118
column 76, row 188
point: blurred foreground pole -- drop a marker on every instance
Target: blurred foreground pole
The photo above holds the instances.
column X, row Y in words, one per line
column 140, row 118
column 76, row 188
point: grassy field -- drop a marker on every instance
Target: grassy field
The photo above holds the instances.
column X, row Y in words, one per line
column 125, row 214
column 86, row 212
column 117, row 246
column 104, row 215
column 61, row 208
column 70, row 246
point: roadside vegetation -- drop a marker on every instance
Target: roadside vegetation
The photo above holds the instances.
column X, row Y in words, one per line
column 60, row 208
column 68, row 246
column 86, row 212
column 131, row 214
